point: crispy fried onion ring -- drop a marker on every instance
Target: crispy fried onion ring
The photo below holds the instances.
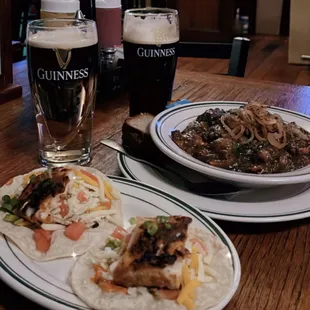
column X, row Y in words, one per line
column 253, row 121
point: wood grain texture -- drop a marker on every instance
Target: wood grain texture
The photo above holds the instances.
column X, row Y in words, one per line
column 267, row 60
column 275, row 258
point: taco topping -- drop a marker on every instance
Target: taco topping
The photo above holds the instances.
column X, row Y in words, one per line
column 75, row 230
column 157, row 254
column 60, row 198
column 42, row 239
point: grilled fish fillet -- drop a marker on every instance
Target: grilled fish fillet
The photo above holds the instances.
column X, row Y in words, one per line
column 154, row 261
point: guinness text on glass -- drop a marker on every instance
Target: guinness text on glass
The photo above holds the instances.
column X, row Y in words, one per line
column 150, row 48
column 62, row 67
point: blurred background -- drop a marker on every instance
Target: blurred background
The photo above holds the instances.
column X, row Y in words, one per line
column 279, row 31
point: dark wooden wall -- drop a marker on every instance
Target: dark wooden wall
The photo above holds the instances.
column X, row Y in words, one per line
column 247, row 8
column 285, row 18
column 6, row 76
column 205, row 21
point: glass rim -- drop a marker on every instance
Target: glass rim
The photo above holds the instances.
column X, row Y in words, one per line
column 148, row 11
column 35, row 24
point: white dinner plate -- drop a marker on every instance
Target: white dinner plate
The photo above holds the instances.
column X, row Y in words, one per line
column 179, row 117
column 276, row 204
column 46, row 283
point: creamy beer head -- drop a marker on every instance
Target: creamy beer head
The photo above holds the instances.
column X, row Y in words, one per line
column 62, row 38
column 151, row 39
column 151, row 28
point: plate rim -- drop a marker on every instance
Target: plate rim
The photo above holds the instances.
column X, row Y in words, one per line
column 271, row 179
column 223, row 216
column 17, row 282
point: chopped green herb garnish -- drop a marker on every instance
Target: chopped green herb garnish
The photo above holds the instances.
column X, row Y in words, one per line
column 113, row 244
column 162, row 219
column 110, row 244
column 133, row 220
column 168, row 226
column 14, row 202
column 19, row 222
column 118, row 243
column 6, row 207
column 10, row 218
column 32, row 178
column 6, row 199
column 151, row 227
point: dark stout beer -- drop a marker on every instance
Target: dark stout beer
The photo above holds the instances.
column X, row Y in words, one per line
column 150, row 48
column 62, row 74
column 150, row 70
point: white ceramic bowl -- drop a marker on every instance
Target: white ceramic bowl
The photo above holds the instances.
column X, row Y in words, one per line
column 179, row 117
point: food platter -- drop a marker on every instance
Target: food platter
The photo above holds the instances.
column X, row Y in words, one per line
column 179, row 117
column 47, row 283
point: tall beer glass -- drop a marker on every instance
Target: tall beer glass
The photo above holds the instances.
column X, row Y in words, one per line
column 150, row 39
column 62, row 67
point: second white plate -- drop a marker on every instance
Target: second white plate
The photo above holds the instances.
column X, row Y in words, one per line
column 276, row 204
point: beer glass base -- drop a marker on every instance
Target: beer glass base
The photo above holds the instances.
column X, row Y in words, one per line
column 63, row 158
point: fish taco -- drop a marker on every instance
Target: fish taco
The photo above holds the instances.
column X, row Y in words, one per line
column 59, row 212
column 159, row 263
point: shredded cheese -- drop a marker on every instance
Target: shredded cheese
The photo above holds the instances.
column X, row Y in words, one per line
column 187, row 295
column 98, row 208
column 192, row 295
column 108, row 190
column 186, row 277
column 189, row 304
column 194, row 260
column 186, row 290
column 86, row 178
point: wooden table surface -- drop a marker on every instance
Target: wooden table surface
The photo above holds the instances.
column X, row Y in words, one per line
column 275, row 258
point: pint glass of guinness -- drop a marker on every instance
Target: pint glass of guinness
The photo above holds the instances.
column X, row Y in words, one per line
column 62, row 65
column 150, row 39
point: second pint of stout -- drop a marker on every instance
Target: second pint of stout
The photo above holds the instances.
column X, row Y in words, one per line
column 150, row 49
column 62, row 66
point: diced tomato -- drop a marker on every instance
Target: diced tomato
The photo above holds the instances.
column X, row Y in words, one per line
column 98, row 270
column 109, row 287
column 9, row 182
column 81, row 196
column 169, row 294
column 64, row 209
column 201, row 247
column 42, row 239
column 75, row 230
column 107, row 204
column 119, row 233
column 90, row 175
column 46, row 233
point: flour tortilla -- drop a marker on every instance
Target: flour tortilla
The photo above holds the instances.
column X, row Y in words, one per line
column 61, row 246
column 208, row 294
